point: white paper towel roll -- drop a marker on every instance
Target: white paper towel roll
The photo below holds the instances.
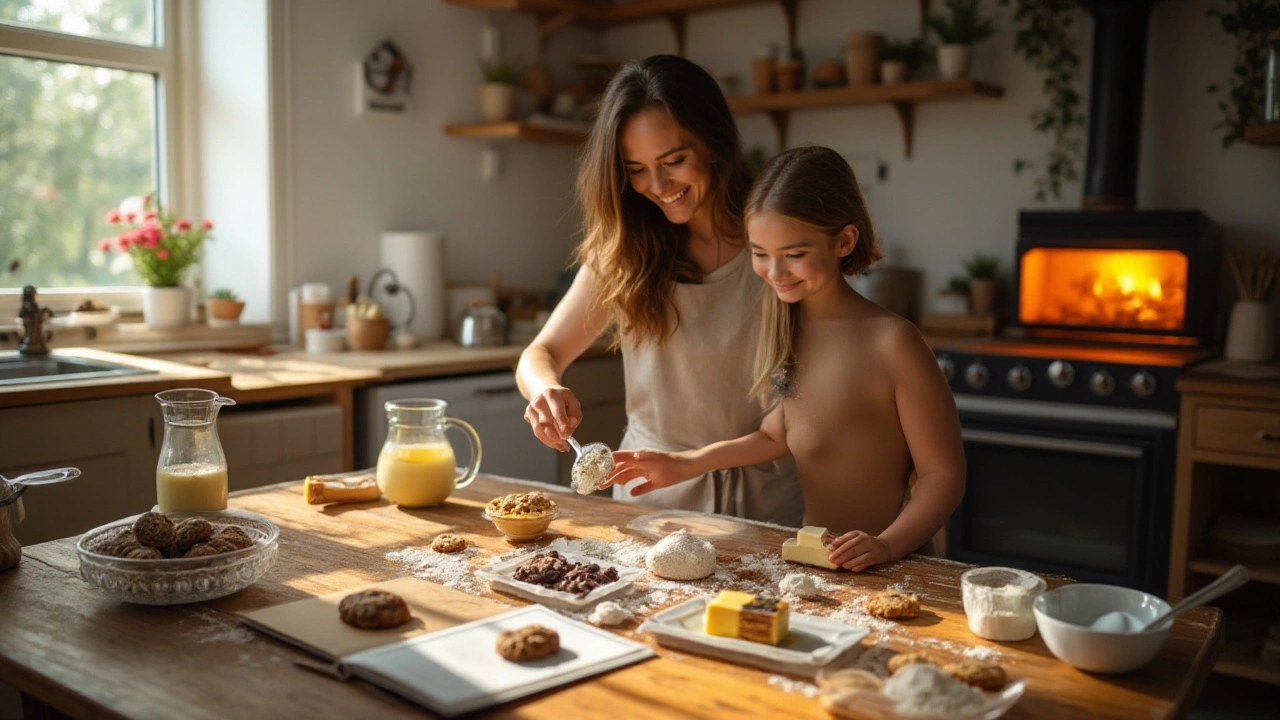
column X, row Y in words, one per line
column 417, row 258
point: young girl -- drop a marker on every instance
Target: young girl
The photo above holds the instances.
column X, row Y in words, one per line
column 856, row 394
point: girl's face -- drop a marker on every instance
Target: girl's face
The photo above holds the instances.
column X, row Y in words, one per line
column 666, row 164
column 795, row 258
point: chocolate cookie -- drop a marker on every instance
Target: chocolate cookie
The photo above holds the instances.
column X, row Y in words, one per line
column 143, row 552
column 114, row 542
column 448, row 544
column 233, row 535
column 213, row 546
column 978, row 673
column 373, row 610
column 893, row 604
column 528, row 643
column 154, row 530
column 901, row 660
column 187, row 533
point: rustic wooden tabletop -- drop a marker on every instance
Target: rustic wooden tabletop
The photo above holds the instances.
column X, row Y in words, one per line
column 69, row 648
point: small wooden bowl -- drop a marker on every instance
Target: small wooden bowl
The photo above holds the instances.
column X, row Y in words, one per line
column 366, row 334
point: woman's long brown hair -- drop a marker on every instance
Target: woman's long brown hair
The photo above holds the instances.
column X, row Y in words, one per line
column 636, row 252
column 815, row 186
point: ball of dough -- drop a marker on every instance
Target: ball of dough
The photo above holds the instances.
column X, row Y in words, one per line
column 609, row 613
column 799, row 584
column 681, row 556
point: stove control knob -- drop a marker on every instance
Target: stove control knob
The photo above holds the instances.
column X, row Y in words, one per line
column 1061, row 374
column 1142, row 383
column 976, row 375
column 1019, row 377
column 947, row 367
column 1101, row 383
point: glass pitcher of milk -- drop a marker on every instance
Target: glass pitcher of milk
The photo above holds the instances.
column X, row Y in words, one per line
column 192, row 473
column 417, row 467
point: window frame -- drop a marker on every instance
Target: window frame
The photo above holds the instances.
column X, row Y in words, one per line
column 166, row 61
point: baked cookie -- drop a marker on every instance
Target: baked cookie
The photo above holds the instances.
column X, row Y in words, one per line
column 893, row 604
column 373, row 610
column 213, row 546
column 981, row 674
column 901, row 660
column 448, row 544
column 234, row 535
column 528, row 643
column 154, row 530
column 143, row 552
column 114, row 542
column 187, row 533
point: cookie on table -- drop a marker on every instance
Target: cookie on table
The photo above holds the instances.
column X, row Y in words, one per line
column 187, row 533
column 154, row 530
column 893, row 605
column 447, row 543
column 373, row 610
column 233, row 535
column 981, row 674
column 528, row 643
column 901, row 660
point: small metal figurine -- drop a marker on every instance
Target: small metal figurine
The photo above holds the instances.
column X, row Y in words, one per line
column 33, row 317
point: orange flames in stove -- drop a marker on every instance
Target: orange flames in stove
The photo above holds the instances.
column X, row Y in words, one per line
column 1125, row 289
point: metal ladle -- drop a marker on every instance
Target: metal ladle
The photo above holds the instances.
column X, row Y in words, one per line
column 40, row 477
column 582, row 480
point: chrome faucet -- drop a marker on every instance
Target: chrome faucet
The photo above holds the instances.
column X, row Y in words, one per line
column 32, row 317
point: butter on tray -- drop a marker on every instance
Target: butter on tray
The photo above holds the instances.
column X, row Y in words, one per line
column 751, row 617
column 809, row 547
column 353, row 487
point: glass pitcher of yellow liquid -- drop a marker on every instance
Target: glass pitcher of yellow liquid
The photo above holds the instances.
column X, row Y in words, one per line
column 191, row 475
column 416, row 467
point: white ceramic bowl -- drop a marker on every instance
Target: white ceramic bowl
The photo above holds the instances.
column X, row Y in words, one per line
column 1063, row 616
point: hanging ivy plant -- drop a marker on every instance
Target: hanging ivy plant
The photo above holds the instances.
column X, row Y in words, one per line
column 1044, row 40
column 1241, row 96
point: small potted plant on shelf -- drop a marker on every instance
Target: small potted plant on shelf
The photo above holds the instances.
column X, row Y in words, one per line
column 900, row 58
column 982, row 271
column 367, row 325
column 959, row 30
column 498, row 93
column 954, row 298
column 224, row 307
column 790, row 72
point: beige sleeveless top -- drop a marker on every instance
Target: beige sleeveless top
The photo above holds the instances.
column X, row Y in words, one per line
column 695, row 390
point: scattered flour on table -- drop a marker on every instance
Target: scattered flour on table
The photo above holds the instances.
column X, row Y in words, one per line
column 452, row 570
column 213, row 628
column 801, row 585
column 922, row 689
column 790, row 685
column 609, row 613
column 982, row 652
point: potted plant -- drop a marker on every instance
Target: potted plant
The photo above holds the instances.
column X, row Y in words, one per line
column 862, row 56
column 498, row 93
column 1242, row 95
column 982, row 271
column 224, row 307
column 367, row 325
column 790, row 72
column 900, row 58
column 959, row 29
column 162, row 246
column 762, row 68
column 954, row 298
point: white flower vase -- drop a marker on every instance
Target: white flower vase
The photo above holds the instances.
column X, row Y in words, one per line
column 497, row 102
column 166, row 307
column 1251, row 332
column 954, row 61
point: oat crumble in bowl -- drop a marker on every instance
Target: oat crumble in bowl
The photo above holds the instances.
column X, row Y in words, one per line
column 522, row 516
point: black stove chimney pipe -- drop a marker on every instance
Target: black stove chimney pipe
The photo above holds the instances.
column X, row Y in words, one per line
column 1115, row 108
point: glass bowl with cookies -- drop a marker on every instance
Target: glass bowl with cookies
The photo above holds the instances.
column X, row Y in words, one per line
column 522, row 516
column 176, row 558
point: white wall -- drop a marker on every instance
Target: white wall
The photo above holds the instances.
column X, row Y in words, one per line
column 354, row 177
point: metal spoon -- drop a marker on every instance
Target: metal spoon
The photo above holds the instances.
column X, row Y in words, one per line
column 583, row 479
column 44, row 477
column 1121, row 621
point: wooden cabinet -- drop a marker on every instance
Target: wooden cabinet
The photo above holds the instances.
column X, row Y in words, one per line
column 1228, row 464
column 599, row 385
column 115, row 442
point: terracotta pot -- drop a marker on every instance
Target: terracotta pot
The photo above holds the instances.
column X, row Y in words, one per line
column 862, row 57
column 954, row 61
column 893, row 72
column 828, row 74
column 223, row 312
column 790, row 75
column 982, row 293
column 497, row 102
column 365, row 334
column 762, row 74
column 166, row 307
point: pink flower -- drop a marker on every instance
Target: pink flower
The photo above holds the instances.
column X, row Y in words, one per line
column 104, row 244
column 129, row 216
column 113, row 216
column 162, row 254
column 146, row 201
column 122, row 242
column 150, row 214
column 207, row 224
column 182, row 225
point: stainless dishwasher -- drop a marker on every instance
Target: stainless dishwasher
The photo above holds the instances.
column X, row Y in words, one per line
column 491, row 402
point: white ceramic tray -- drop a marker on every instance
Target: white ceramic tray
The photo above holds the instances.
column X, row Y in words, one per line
column 812, row 643
column 501, row 576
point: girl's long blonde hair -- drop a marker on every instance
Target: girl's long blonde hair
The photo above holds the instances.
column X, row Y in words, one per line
column 815, row 186
column 636, row 252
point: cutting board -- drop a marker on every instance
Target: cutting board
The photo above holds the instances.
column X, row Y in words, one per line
column 313, row 624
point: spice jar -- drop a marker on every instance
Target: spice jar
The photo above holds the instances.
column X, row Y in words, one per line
column 997, row 601
column 1271, row 111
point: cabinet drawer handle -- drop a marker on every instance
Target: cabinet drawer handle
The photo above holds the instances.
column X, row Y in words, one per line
column 1265, row 436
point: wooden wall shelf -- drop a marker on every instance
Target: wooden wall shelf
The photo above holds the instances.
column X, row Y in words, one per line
column 902, row 96
column 515, row 130
column 1263, row 134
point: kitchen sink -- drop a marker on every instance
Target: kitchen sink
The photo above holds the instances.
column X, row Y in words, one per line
column 21, row 370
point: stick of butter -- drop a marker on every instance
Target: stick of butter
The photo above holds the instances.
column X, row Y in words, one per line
column 809, row 547
column 357, row 487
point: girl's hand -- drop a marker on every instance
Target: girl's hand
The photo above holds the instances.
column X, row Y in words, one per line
column 660, row 470
column 554, row 414
column 856, row 551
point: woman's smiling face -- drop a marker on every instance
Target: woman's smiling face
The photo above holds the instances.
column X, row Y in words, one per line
column 666, row 164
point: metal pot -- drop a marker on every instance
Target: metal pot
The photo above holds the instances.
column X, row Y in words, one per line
column 482, row 326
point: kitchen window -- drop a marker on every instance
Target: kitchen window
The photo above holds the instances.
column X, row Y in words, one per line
column 88, row 116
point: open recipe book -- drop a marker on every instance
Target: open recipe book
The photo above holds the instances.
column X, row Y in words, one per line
column 445, row 659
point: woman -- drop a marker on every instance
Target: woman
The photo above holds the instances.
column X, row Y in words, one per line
column 663, row 261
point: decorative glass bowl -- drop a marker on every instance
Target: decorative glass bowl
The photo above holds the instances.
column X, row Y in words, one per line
column 182, row 580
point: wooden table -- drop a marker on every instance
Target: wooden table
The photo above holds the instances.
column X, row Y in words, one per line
column 65, row 646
